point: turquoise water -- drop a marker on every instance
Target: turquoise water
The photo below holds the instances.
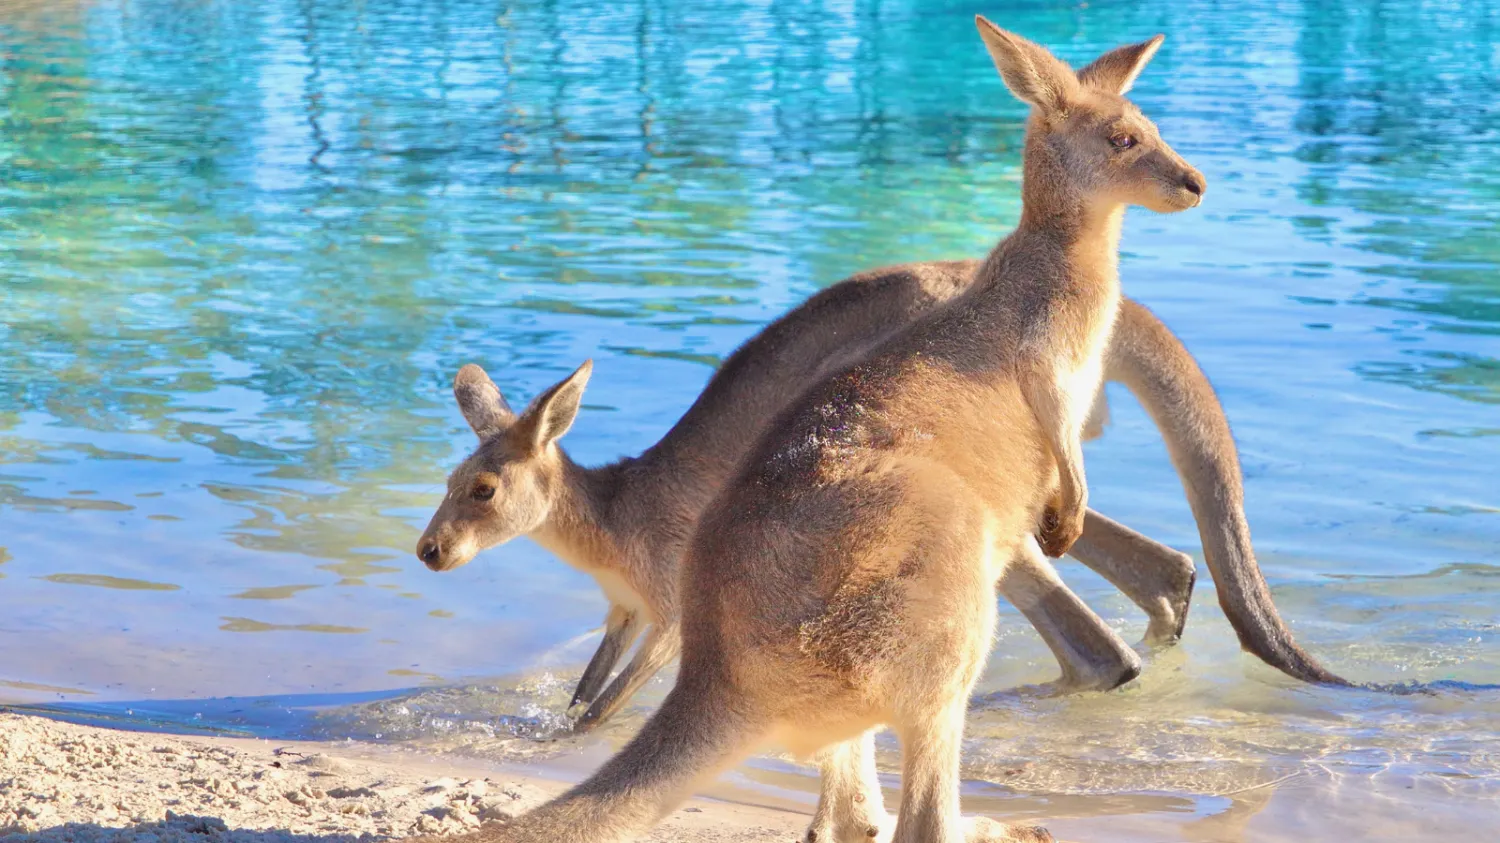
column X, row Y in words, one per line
column 244, row 248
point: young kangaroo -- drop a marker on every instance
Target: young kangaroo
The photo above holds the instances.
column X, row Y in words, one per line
column 844, row 579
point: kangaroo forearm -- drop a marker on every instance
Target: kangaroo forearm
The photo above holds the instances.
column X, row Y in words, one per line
column 659, row 648
column 621, row 627
column 1059, row 418
column 851, row 805
column 1060, row 431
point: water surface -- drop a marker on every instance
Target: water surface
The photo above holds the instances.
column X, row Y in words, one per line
column 244, row 248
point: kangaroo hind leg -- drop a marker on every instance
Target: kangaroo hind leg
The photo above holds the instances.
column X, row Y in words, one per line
column 929, row 795
column 1155, row 577
column 851, row 808
column 1093, row 656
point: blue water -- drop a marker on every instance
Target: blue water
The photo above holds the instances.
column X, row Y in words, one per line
column 244, row 248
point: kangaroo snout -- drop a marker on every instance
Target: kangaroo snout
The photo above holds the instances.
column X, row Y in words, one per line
column 1194, row 183
column 431, row 553
column 443, row 548
column 1178, row 186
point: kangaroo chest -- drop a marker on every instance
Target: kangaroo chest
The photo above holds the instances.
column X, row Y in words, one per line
column 1081, row 376
column 605, row 568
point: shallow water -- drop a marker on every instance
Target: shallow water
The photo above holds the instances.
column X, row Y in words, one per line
column 244, row 247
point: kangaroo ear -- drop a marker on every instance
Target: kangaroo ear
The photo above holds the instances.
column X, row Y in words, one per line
column 552, row 413
column 480, row 401
column 1034, row 75
column 1116, row 70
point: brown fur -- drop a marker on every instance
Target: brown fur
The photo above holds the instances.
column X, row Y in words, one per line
column 900, row 490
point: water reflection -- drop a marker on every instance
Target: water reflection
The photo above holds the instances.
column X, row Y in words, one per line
column 102, row 581
column 44, row 689
column 277, row 592
column 1398, row 135
column 250, row 625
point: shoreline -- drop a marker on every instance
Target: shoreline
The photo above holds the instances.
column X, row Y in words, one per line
column 63, row 782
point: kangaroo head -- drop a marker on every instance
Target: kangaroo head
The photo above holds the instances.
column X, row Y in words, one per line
column 507, row 486
column 1085, row 141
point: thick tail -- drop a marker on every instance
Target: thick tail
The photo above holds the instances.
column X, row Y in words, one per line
column 1153, row 363
column 699, row 730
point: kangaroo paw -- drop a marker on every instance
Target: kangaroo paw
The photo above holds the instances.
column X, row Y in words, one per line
column 1059, row 529
column 854, row 829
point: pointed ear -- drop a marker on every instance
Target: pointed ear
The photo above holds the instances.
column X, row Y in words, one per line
column 1116, row 70
column 552, row 413
column 1034, row 75
column 480, row 401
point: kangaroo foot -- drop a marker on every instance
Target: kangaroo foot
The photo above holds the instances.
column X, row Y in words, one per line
column 1093, row 657
column 1105, row 678
column 986, row 830
column 854, row 827
column 1168, row 613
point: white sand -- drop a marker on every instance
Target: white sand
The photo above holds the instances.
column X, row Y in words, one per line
column 61, row 782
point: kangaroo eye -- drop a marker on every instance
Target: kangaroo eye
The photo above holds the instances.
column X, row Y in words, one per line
column 483, row 493
column 1121, row 141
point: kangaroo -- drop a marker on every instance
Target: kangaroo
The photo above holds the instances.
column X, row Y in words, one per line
column 626, row 523
column 1143, row 355
column 844, row 579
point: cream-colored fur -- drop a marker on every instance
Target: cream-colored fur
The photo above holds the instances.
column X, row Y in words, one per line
column 844, row 579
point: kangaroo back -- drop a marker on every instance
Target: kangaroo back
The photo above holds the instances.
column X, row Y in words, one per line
column 833, row 328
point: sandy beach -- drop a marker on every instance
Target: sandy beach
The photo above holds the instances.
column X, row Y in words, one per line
column 61, row 782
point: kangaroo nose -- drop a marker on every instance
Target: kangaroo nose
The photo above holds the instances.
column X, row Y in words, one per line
column 429, row 551
column 1194, row 184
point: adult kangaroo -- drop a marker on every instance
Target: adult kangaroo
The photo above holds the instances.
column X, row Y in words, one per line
column 627, row 523
column 843, row 579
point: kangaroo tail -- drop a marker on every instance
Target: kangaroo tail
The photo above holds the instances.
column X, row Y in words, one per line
column 698, row 730
column 1153, row 363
